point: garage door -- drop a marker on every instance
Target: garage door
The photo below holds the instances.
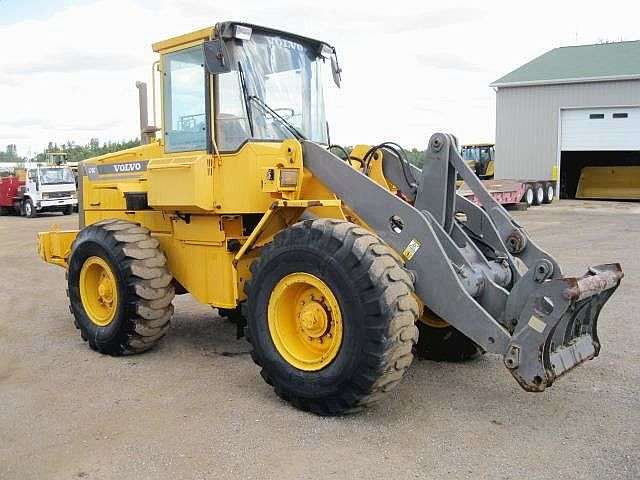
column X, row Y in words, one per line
column 600, row 129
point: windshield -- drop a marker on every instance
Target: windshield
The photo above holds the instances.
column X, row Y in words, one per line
column 469, row 153
column 52, row 176
column 286, row 76
column 482, row 154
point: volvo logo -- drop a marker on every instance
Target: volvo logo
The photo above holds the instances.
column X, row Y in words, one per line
column 95, row 171
column 128, row 167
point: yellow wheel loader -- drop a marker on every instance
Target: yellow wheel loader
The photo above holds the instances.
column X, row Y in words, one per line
column 481, row 158
column 336, row 270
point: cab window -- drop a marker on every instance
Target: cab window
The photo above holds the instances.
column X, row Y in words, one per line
column 185, row 123
column 232, row 122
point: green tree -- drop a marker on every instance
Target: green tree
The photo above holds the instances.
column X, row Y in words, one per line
column 76, row 153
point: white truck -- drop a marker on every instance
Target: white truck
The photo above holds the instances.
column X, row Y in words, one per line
column 47, row 189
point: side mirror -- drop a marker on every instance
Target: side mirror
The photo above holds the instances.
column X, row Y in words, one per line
column 216, row 57
column 335, row 69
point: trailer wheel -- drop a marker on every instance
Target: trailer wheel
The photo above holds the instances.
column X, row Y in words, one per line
column 440, row 342
column 528, row 196
column 331, row 316
column 549, row 193
column 119, row 287
column 538, row 192
column 28, row 209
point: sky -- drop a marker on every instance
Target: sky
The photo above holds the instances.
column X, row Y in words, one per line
column 410, row 68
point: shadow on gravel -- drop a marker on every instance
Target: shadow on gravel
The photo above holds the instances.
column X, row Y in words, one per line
column 210, row 335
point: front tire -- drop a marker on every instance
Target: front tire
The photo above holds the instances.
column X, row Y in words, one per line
column 331, row 316
column 119, row 288
column 68, row 210
column 29, row 209
column 529, row 196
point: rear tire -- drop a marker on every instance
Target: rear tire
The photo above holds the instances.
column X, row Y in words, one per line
column 138, row 315
column 376, row 314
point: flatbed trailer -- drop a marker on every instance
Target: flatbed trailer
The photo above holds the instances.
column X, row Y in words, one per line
column 512, row 192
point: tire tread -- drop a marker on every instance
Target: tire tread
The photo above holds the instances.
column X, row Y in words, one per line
column 149, row 290
column 388, row 300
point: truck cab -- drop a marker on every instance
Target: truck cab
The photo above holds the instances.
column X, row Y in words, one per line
column 47, row 189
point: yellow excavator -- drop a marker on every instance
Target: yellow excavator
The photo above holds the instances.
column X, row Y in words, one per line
column 337, row 270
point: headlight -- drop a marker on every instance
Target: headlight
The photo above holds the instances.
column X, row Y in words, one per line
column 45, row 195
column 74, row 195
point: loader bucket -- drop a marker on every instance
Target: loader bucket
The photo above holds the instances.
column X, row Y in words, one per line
column 609, row 183
column 557, row 329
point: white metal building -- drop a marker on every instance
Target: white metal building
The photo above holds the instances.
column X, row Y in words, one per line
column 569, row 108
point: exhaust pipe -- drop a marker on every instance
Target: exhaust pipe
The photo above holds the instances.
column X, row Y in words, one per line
column 147, row 132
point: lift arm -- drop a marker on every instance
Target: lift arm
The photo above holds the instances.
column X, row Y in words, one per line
column 511, row 301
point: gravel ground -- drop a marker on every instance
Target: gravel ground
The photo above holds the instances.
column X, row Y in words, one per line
column 196, row 408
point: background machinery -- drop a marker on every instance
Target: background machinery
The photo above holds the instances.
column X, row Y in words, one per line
column 480, row 157
column 37, row 188
column 336, row 270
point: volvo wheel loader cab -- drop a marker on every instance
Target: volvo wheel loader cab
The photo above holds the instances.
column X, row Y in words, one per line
column 333, row 268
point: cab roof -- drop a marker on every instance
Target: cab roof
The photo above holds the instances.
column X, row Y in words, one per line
column 202, row 34
column 225, row 28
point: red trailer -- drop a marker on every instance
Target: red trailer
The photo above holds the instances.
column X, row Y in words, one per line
column 515, row 192
column 9, row 190
column 505, row 192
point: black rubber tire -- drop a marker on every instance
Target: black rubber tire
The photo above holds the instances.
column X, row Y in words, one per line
column 538, row 194
column 375, row 294
column 445, row 344
column 549, row 193
column 528, row 198
column 68, row 210
column 144, row 284
column 29, row 209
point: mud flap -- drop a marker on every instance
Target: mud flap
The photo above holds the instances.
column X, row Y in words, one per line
column 557, row 328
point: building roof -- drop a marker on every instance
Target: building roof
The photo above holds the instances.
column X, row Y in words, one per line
column 578, row 64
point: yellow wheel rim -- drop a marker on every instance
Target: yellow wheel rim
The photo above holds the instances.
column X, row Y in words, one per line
column 433, row 320
column 98, row 291
column 305, row 321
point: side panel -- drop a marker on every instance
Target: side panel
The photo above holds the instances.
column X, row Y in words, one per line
column 197, row 252
column 181, row 183
column 242, row 179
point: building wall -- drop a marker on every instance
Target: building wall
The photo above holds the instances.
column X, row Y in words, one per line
column 527, row 122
